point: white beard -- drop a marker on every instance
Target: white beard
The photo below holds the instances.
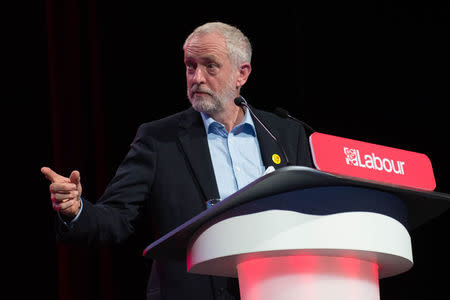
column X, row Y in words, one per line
column 211, row 103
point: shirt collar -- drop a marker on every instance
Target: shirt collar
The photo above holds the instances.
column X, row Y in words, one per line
column 246, row 125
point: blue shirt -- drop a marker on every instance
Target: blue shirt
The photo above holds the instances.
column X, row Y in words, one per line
column 235, row 156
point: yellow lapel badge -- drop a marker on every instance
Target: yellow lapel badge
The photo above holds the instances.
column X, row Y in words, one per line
column 276, row 158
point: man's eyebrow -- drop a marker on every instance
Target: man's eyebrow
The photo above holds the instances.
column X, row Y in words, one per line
column 210, row 57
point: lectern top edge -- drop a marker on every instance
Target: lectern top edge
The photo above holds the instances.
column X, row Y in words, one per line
column 422, row 205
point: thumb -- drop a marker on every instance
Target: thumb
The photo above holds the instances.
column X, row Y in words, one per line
column 50, row 174
column 75, row 177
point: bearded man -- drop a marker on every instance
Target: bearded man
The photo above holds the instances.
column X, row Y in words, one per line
column 177, row 164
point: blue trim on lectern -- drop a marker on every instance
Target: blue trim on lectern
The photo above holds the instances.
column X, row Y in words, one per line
column 326, row 201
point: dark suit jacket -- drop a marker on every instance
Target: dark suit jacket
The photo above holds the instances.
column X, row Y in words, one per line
column 166, row 178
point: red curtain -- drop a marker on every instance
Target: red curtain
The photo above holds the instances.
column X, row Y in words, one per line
column 77, row 125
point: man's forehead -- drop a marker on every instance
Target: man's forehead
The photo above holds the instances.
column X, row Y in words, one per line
column 206, row 57
column 205, row 44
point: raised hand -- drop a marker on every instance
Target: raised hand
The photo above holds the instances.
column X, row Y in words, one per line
column 65, row 192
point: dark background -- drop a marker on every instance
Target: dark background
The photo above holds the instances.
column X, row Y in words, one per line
column 84, row 74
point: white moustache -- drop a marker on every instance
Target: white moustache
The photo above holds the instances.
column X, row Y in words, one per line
column 196, row 88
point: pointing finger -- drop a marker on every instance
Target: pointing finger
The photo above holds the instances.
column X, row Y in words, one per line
column 52, row 175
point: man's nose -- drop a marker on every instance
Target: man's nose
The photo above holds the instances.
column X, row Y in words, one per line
column 199, row 76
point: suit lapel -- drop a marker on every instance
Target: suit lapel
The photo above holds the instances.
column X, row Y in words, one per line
column 194, row 144
column 267, row 145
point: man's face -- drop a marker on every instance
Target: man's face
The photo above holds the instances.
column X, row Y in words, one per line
column 210, row 75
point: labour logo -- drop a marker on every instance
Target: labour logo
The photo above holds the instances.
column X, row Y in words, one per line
column 373, row 162
column 379, row 163
column 352, row 157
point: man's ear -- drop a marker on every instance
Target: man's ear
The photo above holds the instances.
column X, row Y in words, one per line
column 244, row 71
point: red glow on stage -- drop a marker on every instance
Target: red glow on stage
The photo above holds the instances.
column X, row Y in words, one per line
column 308, row 277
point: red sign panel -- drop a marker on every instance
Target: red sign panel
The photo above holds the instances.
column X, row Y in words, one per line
column 370, row 161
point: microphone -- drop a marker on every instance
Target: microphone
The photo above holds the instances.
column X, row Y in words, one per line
column 241, row 102
column 285, row 115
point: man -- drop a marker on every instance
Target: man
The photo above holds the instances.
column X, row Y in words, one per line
column 175, row 165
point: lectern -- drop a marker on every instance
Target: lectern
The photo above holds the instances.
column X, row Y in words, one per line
column 300, row 233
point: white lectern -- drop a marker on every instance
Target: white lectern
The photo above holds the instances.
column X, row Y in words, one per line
column 299, row 233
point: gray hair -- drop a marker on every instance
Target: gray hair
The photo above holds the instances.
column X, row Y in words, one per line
column 238, row 45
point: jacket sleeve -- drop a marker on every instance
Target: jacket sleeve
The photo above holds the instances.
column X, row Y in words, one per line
column 113, row 218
